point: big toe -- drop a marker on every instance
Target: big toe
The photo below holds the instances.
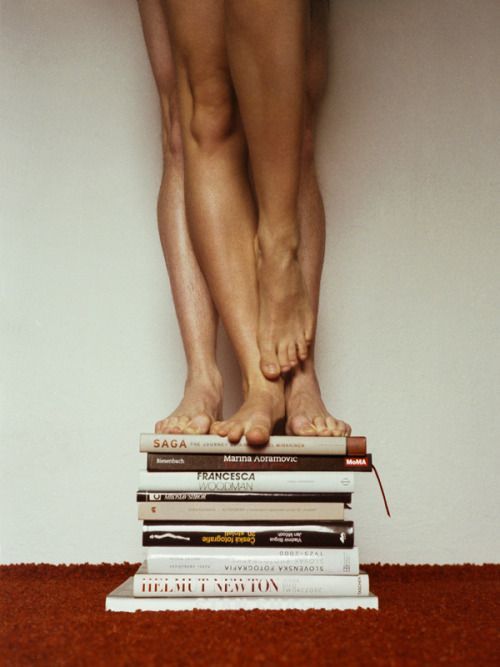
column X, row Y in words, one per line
column 301, row 425
column 269, row 364
column 199, row 424
column 258, row 433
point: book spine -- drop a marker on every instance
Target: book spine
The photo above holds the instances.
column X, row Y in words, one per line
column 333, row 535
column 224, row 497
column 166, row 585
column 253, row 560
column 247, row 481
column 278, row 444
column 193, row 462
column 237, row 511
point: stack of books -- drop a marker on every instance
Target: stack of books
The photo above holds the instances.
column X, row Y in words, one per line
column 234, row 527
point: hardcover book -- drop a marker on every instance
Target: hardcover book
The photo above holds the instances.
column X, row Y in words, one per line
column 240, row 480
column 248, row 560
column 339, row 534
column 250, row 497
column 167, row 462
column 147, row 584
column 278, row 444
column 240, row 511
column 122, row 600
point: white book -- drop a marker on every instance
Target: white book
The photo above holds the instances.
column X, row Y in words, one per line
column 239, row 511
column 251, row 560
column 148, row 584
column 242, row 480
column 122, row 600
column 278, row 444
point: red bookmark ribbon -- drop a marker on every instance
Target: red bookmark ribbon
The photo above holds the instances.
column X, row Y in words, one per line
column 381, row 490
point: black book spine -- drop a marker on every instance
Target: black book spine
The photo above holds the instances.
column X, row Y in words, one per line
column 193, row 462
column 248, row 497
column 338, row 534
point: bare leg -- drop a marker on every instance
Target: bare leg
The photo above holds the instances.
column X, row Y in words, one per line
column 196, row 313
column 266, row 43
column 306, row 411
column 219, row 204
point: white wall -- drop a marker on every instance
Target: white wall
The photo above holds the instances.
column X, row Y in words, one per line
column 409, row 157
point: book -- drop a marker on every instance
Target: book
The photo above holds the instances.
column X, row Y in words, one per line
column 121, row 599
column 147, row 584
column 163, row 462
column 240, row 511
column 241, row 497
column 339, row 534
column 245, row 560
column 278, row 444
column 241, row 480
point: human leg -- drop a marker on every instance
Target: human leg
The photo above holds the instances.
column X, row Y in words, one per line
column 306, row 411
column 201, row 403
column 219, row 204
column 266, row 41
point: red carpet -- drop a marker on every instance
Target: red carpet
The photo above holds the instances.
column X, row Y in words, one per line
column 430, row 615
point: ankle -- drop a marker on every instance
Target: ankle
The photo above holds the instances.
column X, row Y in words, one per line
column 205, row 376
column 277, row 243
column 258, row 383
column 303, row 380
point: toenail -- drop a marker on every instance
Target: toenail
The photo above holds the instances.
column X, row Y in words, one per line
column 271, row 368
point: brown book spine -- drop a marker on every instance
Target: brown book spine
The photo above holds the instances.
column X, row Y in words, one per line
column 159, row 462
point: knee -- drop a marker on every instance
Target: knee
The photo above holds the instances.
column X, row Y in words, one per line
column 313, row 98
column 172, row 141
column 171, row 127
column 213, row 116
column 316, row 82
column 308, row 142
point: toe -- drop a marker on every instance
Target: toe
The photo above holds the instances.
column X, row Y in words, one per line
column 302, row 348
column 332, row 424
column 199, row 424
column 320, row 426
column 336, row 426
column 182, row 423
column 301, row 425
column 224, row 428
column 292, row 354
column 283, row 357
column 258, row 434
column 309, row 331
column 342, row 428
column 171, row 425
column 269, row 364
column 160, row 426
column 214, row 429
column 235, row 433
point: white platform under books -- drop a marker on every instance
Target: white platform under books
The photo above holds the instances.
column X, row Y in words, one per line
column 122, row 599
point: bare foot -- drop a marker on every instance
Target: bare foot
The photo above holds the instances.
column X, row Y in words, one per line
column 306, row 413
column 200, row 406
column 263, row 406
column 286, row 319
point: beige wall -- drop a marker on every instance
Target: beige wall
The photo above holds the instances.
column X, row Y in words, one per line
column 409, row 159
